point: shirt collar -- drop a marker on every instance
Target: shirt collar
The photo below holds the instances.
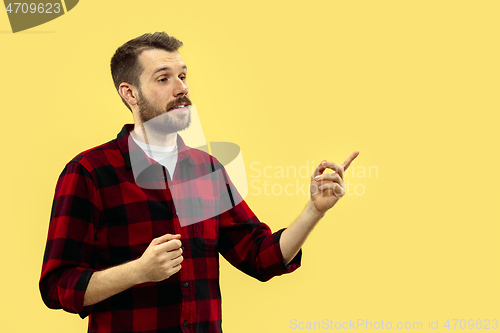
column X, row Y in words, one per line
column 123, row 144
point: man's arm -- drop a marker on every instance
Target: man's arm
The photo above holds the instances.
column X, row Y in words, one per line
column 295, row 235
column 246, row 242
column 161, row 260
column 326, row 189
column 67, row 268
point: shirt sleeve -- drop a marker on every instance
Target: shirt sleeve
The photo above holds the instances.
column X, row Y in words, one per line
column 67, row 261
column 247, row 243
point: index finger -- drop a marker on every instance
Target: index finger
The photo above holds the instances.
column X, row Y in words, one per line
column 165, row 238
column 349, row 160
column 170, row 245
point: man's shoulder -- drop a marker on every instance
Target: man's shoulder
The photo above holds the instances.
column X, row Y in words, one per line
column 106, row 154
column 201, row 156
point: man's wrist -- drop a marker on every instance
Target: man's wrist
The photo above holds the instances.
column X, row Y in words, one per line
column 313, row 211
column 136, row 273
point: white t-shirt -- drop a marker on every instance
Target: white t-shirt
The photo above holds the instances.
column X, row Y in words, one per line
column 166, row 156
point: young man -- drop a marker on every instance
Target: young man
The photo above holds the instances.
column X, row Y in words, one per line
column 138, row 223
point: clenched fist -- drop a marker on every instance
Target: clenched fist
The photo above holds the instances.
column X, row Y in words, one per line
column 161, row 259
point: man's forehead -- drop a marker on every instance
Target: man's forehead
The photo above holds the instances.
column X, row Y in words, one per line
column 155, row 60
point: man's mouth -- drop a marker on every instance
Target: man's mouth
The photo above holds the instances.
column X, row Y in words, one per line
column 180, row 107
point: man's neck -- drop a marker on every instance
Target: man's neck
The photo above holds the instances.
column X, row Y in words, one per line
column 150, row 137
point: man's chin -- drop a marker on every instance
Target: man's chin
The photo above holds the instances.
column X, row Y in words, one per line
column 165, row 125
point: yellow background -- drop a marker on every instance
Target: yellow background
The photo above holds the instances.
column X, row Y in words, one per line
column 413, row 85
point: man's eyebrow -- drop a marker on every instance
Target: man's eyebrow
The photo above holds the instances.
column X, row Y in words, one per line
column 166, row 69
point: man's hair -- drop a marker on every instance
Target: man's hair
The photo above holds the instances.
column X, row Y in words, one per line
column 125, row 64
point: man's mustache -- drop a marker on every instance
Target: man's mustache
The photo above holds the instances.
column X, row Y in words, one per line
column 183, row 100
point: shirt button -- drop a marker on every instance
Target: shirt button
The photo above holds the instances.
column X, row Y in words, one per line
column 185, row 323
column 186, row 284
column 165, row 178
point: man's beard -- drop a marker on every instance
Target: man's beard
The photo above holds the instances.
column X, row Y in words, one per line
column 161, row 121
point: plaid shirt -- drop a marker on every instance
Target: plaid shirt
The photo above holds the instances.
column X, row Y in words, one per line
column 104, row 215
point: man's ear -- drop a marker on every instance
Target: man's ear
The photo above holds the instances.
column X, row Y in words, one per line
column 128, row 92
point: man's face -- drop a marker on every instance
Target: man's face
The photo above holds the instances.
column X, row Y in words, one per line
column 163, row 89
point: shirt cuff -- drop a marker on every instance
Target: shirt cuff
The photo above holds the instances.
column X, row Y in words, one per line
column 283, row 268
column 293, row 264
column 81, row 288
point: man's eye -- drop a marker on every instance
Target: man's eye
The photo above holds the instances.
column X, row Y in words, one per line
column 163, row 80
column 183, row 77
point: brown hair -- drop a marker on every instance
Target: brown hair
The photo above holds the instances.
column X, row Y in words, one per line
column 125, row 65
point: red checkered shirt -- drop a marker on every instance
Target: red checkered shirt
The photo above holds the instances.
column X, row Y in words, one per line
column 104, row 214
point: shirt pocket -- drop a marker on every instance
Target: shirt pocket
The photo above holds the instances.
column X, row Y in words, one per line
column 206, row 230
column 200, row 215
column 197, row 203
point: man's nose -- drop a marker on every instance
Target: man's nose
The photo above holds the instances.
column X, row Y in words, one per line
column 181, row 88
